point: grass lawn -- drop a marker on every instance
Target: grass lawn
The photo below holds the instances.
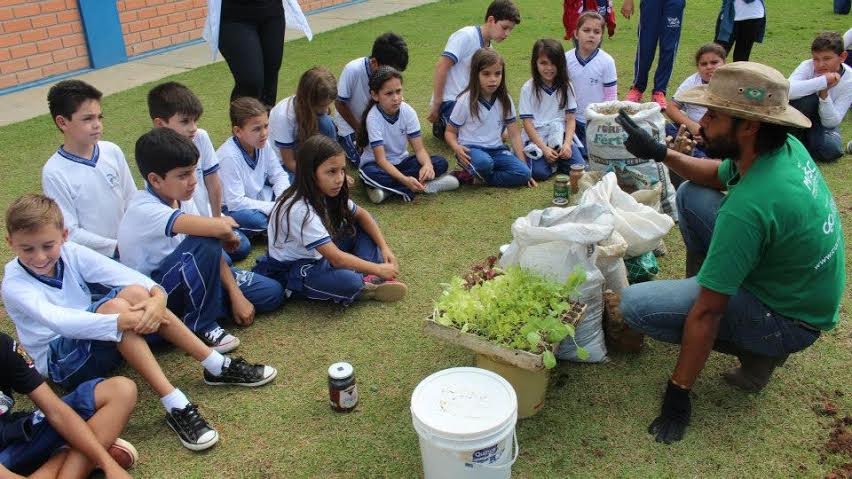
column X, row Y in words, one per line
column 594, row 422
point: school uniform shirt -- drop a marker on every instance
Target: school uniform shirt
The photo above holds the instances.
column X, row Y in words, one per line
column 245, row 177
column 460, row 49
column 693, row 112
column 208, row 163
column 484, row 132
column 146, row 234
column 44, row 308
column 91, row 192
column 804, row 81
column 306, row 232
column 353, row 88
column 391, row 131
column 282, row 124
column 590, row 76
column 543, row 109
column 17, row 371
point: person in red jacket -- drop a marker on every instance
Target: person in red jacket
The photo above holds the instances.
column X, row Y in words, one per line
column 572, row 9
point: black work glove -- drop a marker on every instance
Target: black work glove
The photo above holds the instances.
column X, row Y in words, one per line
column 639, row 143
column 671, row 424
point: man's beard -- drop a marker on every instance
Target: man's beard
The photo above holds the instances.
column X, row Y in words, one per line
column 723, row 147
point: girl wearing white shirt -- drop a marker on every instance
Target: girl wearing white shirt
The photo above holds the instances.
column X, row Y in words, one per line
column 547, row 109
column 322, row 245
column 388, row 125
column 480, row 115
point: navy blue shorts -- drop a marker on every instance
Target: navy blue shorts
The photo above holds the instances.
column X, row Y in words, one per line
column 23, row 457
column 71, row 362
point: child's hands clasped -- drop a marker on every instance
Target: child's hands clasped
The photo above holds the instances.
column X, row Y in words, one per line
column 154, row 314
column 566, row 152
column 550, row 155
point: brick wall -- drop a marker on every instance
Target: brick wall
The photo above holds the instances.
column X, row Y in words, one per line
column 44, row 38
column 152, row 24
column 39, row 39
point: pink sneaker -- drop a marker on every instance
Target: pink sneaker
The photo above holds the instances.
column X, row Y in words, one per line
column 660, row 99
column 634, row 95
column 382, row 290
column 124, row 453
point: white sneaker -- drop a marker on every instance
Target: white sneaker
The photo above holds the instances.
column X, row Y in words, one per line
column 443, row 183
column 220, row 340
column 376, row 195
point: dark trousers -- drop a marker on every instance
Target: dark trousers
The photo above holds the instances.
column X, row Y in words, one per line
column 254, row 51
column 659, row 25
column 742, row 39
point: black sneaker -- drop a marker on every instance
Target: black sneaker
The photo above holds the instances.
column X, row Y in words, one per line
column 220, row 340
column 238, row 372
column 192, row 430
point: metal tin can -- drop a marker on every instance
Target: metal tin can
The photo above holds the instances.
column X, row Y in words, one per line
column 342, row 390
column 561, row 190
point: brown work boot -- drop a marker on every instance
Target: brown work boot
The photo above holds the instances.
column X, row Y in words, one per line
column 754, row 371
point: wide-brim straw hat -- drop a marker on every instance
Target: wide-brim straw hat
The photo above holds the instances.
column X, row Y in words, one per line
column 748, row 90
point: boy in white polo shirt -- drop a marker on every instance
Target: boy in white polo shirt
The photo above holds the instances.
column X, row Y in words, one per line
column 453, row 68
column 353, row 88
column 165, row 238
column 821, row 88
column 88, row 178
column 73, row 340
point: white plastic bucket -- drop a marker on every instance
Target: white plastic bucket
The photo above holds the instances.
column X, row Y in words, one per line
column 465, row 419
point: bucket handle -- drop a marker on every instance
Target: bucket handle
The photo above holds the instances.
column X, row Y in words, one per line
column 510, row 463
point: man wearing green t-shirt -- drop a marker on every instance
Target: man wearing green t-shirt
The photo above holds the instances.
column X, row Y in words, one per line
column 769, row 254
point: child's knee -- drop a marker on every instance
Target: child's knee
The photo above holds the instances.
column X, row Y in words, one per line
column 134, row 294
column 118, row 388
column 114, row 306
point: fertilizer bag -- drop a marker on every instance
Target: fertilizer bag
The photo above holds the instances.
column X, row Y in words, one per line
column 552, row 242
column 605, row 139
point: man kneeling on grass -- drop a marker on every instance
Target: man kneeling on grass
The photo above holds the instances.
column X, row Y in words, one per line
column 769, row 255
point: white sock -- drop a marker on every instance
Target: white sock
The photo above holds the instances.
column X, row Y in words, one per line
column 174, row 400
column 214, row 363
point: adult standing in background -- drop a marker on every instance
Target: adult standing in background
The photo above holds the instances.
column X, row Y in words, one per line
column 250, row 35
column 251, row 38
column 659, row 23
column 740, row 24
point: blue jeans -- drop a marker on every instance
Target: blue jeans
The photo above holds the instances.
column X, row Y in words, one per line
column 348, row 144
column 252, row 223
column 440, row 126
column 23, row 457
column 542, row 170
column 659, row 308
column 659, row 24
column 375, row 177
column 824, row 144
column 498, row 166
column 317, row 278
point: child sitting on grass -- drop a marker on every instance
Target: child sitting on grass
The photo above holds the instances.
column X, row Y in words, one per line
column 322, row 245
column 388, row 125
column 548, row 109
column 164, row 237
column 73, row 339
column 88, row 178
column 479, row 117
column 353, row 89
column 251, row 171
column 65, row 437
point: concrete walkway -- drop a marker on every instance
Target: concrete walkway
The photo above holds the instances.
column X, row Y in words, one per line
column 29, row 103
